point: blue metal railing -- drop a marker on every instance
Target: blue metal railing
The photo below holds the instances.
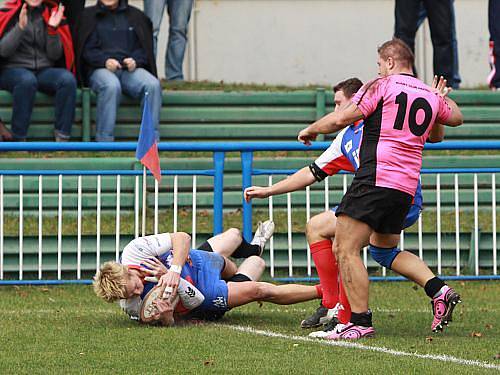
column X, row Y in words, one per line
column 219, row 151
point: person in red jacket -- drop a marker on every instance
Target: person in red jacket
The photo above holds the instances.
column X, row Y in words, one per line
column 36, row 53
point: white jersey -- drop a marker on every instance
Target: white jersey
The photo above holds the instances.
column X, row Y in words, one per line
column 155, row 246
column 146, row 247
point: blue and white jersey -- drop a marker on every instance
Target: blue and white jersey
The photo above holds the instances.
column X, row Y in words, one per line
column 160, row 246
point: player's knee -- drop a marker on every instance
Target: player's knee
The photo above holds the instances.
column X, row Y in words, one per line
column 263, row 291
column 258, row 263
column 341, row 252
column 234, row 233
column 384, row 256
column 313, row 228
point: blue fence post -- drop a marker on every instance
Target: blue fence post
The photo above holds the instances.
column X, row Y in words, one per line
column 246, row 172
column 218, row 191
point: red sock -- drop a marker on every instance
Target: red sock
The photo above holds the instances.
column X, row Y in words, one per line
column 344, row 315
column 326, row 265
column 319, row 290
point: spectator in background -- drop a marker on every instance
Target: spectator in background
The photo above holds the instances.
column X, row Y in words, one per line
column 73, row 10
column 36, row 53
column 114, row 52
column 494, row 27
column 440, row 14
column 421, row 18
column 179, row 12
column 5, row 134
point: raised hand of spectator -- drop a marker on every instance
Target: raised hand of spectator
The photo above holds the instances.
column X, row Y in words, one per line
column 23, row 17
column 130, row 63
column 113, row 65
column 56, row 16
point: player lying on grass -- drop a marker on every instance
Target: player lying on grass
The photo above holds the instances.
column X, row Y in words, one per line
column 343, row 154
column 207, row 281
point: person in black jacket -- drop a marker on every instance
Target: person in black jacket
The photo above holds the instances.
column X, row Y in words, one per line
column 114, row 52
column 73, row 10
column 440, row 14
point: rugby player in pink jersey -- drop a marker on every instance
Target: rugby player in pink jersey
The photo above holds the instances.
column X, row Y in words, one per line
column 343, row 154
column 399, row 112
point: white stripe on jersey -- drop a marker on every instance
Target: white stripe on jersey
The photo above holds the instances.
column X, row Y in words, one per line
column 334, row 151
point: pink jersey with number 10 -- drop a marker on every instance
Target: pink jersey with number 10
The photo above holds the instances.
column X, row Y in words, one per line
column 399, row 112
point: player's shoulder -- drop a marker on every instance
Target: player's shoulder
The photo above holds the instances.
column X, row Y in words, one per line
column 373, row 84
column 369, row 90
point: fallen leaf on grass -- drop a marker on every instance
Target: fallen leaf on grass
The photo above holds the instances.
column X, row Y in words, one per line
column 208, row 362
column 81, row 353
column 52, row 299
column 44, row 289
column 295, row 345
column 497, row 356
column 476, row 334
column 489, row 326
column 429, row 339
column 462, row 283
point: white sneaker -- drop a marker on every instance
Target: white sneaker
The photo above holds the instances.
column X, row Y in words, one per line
column 327, row 330
column 332, row 313
column 263, row 233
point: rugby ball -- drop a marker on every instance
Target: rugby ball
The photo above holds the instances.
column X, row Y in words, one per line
column 148, row 309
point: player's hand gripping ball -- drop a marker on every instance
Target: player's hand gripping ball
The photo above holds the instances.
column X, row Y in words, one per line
column 149, row 310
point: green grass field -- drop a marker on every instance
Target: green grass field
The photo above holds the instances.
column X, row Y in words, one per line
column 68, row 330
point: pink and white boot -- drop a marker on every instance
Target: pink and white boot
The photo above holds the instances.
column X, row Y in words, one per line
column 350, row 331
column 442, row 307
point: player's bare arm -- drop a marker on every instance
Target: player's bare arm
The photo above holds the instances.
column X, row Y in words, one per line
column 456, row 118
column 331, row 123
column 181, row 243
column 437, row 134
column 297, row 181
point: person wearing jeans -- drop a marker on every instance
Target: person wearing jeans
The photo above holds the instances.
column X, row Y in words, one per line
column 441, row 20
column 455, row 83
column 179, row 12
column 24, row 83
column 115, row 55
column 33, row 45
column 109, row 85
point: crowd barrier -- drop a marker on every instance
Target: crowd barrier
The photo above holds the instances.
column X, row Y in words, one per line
column 298, row 256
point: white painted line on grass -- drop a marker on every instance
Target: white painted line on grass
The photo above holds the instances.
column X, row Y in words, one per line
column 354, row 345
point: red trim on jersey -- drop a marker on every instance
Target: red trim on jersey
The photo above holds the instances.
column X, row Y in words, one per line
column 338, row 164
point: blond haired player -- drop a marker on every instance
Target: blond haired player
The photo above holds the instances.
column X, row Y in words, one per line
column 208, row 283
